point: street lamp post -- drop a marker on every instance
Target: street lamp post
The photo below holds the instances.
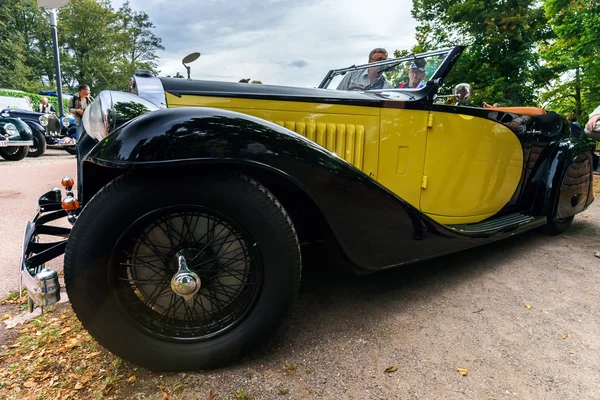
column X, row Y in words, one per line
column 51, row 6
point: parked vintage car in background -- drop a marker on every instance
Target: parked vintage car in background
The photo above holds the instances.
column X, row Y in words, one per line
column 193, row 198
column 47, row 129
column 15, row 139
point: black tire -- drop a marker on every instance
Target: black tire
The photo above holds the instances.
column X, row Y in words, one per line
column 71, row 150
column 104, row 269
column 557, row 226
column 14, row 153
column 39, row 144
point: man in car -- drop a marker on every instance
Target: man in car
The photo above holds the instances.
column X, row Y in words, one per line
column 77, row 106
column 368, row 78
column 416, row 74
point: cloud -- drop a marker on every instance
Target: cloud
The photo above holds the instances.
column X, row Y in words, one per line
column 298, row 63
column 286, row 42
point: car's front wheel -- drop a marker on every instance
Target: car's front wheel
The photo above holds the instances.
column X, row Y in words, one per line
column 180, row 275
column 14, row 153
column 39, row 144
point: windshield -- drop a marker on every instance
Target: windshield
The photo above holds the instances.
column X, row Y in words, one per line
column 18, row 103
column 407, row 72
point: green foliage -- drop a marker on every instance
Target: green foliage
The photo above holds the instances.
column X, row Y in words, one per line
column 103, row 47
column 36, row 99
column 99, row 46
column 500, row 62
column 573, row 55
column 14, row 71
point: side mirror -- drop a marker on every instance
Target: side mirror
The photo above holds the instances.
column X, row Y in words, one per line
column 462, row 92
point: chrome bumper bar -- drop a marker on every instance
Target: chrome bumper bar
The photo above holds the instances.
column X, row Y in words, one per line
column 42, row 283
column 19, row 143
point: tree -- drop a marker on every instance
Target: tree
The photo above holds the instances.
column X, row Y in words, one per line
column 137, row 44
column 31, row 21
column 88, row 40
column 14, row 72
column 500, row 61
column 572, row 54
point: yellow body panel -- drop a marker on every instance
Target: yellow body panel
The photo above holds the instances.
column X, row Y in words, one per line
column 473, row 167
column 351, row 132
column 402, row 152
column 462, row 169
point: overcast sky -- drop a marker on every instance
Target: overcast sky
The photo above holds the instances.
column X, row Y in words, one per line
column 284, row 42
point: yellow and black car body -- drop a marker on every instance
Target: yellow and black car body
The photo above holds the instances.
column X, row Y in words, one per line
column 385, row 177
column 438, row 178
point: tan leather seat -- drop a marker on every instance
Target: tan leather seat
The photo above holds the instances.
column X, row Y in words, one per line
column 531, row 111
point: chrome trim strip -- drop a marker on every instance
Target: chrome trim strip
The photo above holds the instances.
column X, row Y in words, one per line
column 19, row 143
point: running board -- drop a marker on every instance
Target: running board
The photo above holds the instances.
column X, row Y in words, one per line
column 501, row 224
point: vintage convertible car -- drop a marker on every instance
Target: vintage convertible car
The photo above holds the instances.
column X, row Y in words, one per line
column 193, row 198
column 15, row 139
column 48, row 129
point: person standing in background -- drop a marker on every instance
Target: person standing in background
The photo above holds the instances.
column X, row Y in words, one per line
column 77, row 106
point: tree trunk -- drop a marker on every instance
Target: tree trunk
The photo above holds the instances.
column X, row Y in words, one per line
column 578, row 108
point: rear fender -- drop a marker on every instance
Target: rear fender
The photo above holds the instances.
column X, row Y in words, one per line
column 566, row 185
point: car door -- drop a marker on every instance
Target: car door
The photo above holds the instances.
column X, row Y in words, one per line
column 402, row 143
column 472, row 167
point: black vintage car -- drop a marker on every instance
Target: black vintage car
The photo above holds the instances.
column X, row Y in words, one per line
column 48, row 130
column 191, row 209
column 15, row 139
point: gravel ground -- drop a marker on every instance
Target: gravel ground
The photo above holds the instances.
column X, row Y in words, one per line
column 521, row 316
column 22, row 184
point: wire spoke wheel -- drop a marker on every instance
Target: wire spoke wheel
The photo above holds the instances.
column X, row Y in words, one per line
column 212, row 294
column 193, row 277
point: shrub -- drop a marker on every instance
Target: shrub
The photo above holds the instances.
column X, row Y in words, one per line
column 36, row 99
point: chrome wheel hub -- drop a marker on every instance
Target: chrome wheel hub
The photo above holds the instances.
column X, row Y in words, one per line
column 185, row 283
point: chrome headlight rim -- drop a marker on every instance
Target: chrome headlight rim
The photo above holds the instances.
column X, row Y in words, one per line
column 65, row 122
column 11, row 129
column 43, row 120
column 95, row 117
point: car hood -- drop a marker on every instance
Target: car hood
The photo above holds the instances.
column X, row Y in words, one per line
column 23, row 114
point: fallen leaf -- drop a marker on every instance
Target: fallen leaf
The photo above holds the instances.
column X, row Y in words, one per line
column 67, row 329
column 29, row 384
column 165, row 396
column 6, row 316
column 78, row 386
column 393, row 368
column 212, row 395
column 566, row 335
column 566, row 237
column 462, row 371
column 527, row 306
column 132, row 378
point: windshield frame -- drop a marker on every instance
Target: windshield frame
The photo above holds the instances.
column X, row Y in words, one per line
column 452, row 54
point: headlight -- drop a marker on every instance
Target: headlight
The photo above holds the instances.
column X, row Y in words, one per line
column 11, row 129
column 95, row 117
column 43, row 120
column 112, row 109
column 65, row 122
